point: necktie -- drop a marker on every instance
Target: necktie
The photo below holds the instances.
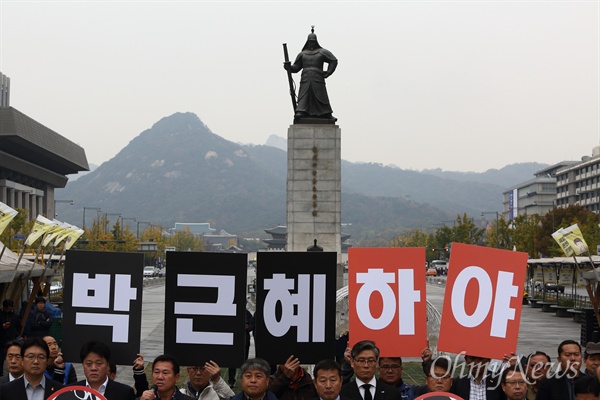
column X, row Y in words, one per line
column 367, row 395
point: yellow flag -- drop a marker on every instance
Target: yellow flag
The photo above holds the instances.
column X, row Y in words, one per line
column 54, row 232
column 41, row 226
column 72, row 238
column 571, row 240
column 6, row 215
column 64, row 234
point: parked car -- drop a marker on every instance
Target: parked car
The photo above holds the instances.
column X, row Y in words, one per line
column 550, row 287
column 163, row 272
column 149, row 272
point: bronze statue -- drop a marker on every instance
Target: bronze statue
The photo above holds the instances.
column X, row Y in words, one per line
column 313, row 103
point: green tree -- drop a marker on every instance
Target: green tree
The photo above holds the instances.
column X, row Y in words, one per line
column 563, row 217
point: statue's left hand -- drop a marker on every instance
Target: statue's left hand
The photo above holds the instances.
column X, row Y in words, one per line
column 287, row 65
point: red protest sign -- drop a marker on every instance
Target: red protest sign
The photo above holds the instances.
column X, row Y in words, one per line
column 386, row 299
column 482, row 303
column 76, row 393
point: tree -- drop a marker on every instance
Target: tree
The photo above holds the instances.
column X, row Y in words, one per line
column 185, row 240
column 563, row 217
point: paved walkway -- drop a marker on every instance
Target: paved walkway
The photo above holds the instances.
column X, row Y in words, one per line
column 538, row 331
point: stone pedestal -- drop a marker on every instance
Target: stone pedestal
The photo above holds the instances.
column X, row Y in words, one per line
column 314, row 206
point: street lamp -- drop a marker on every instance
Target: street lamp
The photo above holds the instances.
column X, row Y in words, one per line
column 138, row 227
column 89, row 208
column 71, row 202
column 107, row 215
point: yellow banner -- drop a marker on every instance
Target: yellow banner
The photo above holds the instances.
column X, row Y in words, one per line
column 566, row 277
column 41, row 226
column 54, row 232
column 72, row 238
column 571, row 240
column 6, row 215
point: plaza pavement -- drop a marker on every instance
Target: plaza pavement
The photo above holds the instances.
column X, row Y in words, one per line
column 538, row 330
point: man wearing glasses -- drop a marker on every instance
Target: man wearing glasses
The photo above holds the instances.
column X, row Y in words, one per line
column 390, row 372
column 364, row 356
column 514, row 383
column 33, row 385
column 14, row 362
column 205, row 383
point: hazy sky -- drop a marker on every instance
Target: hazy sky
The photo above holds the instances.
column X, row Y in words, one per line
column 459, row 85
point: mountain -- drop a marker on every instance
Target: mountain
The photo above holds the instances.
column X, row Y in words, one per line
column 180, row 171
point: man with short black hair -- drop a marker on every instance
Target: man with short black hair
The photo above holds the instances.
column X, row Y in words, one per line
column 255, row 381
column 587, row 388
column 33, row 384
column 514, row 383
column 328, row 380
column 14, row 362
column 536, row 367
column 95, row 357
column 57, row 368
column 40, row 319
column 390, row 372
column 165, row 374
column 438, row 377
column 364, row 356
column 560, row 386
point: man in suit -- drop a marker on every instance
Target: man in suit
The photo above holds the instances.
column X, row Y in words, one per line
column 33, row 384
column 514, row 383
column 165, row 374
column 328, row 379
column 95, row 357
column 364, row 356
column 14, row 362
column 560, row 386
column 479, row 384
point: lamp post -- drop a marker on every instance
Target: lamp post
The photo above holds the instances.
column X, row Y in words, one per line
column 107, row 215
column 71, row 202
column 89, row 208
column 138, row 227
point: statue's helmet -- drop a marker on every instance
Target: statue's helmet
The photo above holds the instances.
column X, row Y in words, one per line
column 312, row 39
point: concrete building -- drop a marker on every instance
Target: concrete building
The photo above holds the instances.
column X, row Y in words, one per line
column 579, row 183
column 34, row 160
column 535, row 196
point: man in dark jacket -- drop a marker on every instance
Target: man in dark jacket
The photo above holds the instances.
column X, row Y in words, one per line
column 35, row 354
column 57, row 369
column 165, row 374
column 364, row 356
column 292, row 382
column 10, row 324
column 255, row 381
column 95, row 357
column 40, row 319
column 560, row 386
column 480, row 383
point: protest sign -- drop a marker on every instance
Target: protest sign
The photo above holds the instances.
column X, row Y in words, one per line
column 571, row 240
column 103, row 301
column 387, row 301
column 205, row 307
column 77, row 393
column 482, row 303
column 295, row 307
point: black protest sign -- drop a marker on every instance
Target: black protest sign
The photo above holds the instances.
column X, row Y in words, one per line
column 103, row 301
column 295, row 306
column 205, row 307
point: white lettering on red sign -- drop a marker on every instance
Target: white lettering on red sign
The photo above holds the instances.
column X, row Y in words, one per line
column 375, row 280
column 502, row 311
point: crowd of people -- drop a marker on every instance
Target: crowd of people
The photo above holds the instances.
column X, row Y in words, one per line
column 35, row 370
